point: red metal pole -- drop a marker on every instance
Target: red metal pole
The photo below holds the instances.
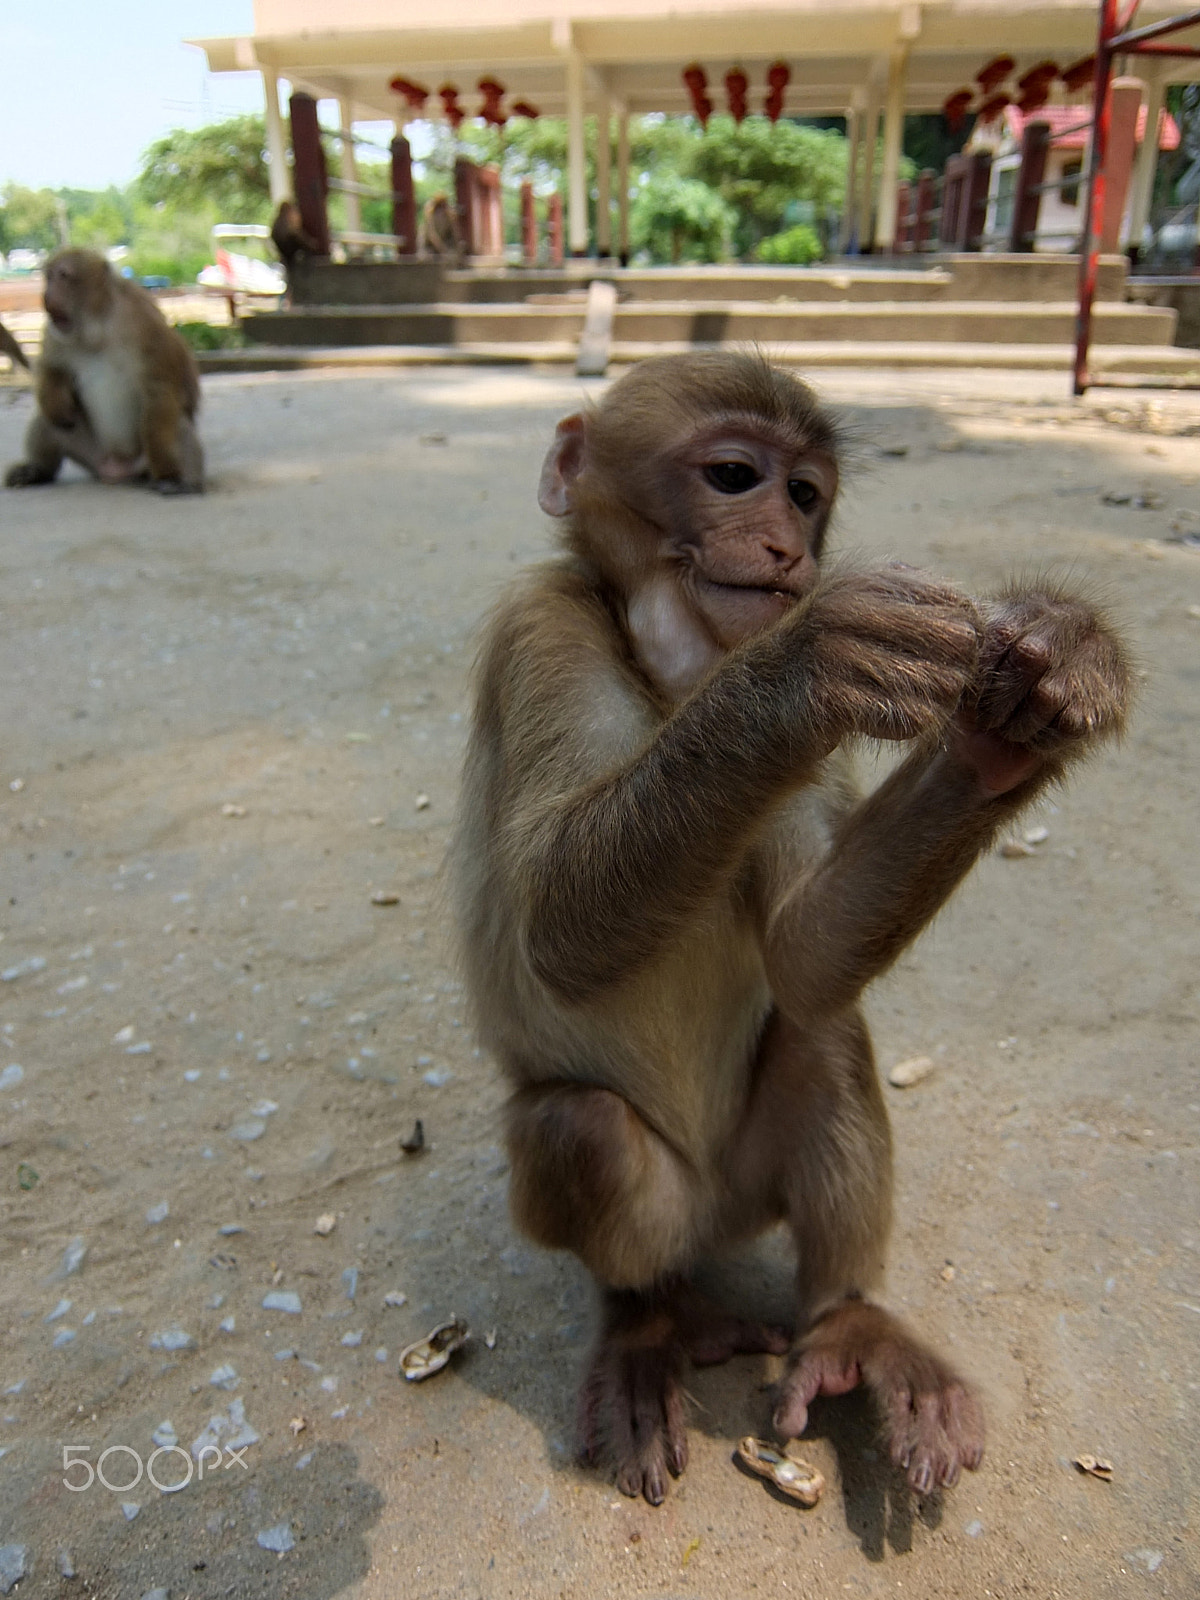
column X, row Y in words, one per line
column 1093, row 203
column 404, row 197
column 308, row 172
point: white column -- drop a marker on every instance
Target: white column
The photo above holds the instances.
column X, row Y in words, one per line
column 623, row 184
column 349, row 165
column 1146, row 161
column 577, row 199
column 854, row 122
column 893, row 145
column 865, row 183
column 604, row 177
column 279, row 173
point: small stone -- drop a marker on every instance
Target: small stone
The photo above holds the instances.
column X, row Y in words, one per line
column 381, row 1354
column 286, row 1354
column 17, row 785
column 172, row 1339
column 253, row 1128
column 1150, row 1559
column 192, row 1075
column 12, row 1076
column 124, row 1035
column 1094, row 1466
column 60, row 1310
column 437, row 1077
column 489, row 1338
column 375, row 822
column 224, row 1377
column 907, row 1073
column 286, row 1300
column 130, row 1508
column 227, row 1324
column 158, row 1213
column 948, row 1273
column 14, row 1564
column 303, row 1461
column 142, row 1049
column 973, row 1529
column 350, row 1282
column 1014, row 849
column 1037, row 835
column 156, row 1594
column 230, row 810
column 422, row 802
column 415, row 1142
column 66, row 1564
column 325, row 1224
column 395, row 1297
column 164, row 1436
column 385, row 897
column 297, row 1425
column 22, row 968
column 63, row 1337
column 352, row 1340
column 329, row 1384
column 228, row 1229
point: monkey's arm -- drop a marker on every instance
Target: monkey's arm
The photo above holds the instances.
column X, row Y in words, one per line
column 613, row 856
column 1053, row 682
column 56, row 397
column 10, row 348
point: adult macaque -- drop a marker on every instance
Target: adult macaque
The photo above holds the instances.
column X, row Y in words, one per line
column 117, row 388
column 10, row 348
column 290, row 237
column 671, row 898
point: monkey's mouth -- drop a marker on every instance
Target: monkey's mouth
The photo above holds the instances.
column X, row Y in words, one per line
column 734, row 590
column 60, row 320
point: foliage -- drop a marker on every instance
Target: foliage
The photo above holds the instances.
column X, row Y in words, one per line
column 759, row 167
column 211, row 336
column 799, row 246
column 221, row 166
column 680, row 219
column 29, row 218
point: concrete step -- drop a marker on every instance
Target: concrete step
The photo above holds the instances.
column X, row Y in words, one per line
column 712, row 322
column 1161, row 363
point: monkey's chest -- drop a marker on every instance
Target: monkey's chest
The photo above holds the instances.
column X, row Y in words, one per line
column 110, row 393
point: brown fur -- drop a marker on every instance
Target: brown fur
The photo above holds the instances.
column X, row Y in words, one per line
column 117, row 387
column 671, row 897
column 10, row 348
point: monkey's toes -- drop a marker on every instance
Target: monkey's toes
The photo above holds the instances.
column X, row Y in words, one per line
column 176, row 486
column 934, row 1434
column 24, row 476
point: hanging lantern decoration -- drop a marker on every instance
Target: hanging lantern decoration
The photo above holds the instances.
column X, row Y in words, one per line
column 492, row 93
column 451, row 110
column 736, row 85
column 1079, row 75
column 522, row 108
column 778, row 77
column 697, row 83
column 994, row 74
column 992, row 108
column 413, row 93
column 1035, row 86
column 954, row 108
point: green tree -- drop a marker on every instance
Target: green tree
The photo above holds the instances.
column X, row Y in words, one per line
column 222, row 166
column 29, row 218
column 760, row 167
column 677, row 219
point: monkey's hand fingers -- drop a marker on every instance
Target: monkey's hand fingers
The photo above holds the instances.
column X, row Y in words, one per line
column 1054, row 678
column 177, row 486
column 821, row 1369
column 895, row 651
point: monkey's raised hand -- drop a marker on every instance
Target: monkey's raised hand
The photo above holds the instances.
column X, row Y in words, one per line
column 892, row 652
column 1054, row 680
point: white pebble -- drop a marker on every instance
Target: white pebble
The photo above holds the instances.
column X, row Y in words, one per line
column 906, row 1073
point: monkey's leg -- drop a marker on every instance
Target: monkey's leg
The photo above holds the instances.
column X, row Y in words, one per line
column 589, row 1175
column 818, row 1127
column 171, row 445
column 43, row 456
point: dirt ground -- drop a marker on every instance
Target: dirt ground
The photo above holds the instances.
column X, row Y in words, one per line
column 227, row 723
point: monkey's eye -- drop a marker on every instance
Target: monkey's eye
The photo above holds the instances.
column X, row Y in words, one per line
column 732, row 477
column 803, row 495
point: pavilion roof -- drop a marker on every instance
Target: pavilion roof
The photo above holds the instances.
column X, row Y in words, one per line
column 1076, row 137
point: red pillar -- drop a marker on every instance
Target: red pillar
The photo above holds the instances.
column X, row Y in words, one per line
column 404, row 197
column 464, row 200
column 1026, row 200
column 901, row 241
column 1125, row 99
column 922, row 223
column 308, row 171
column 554, row 226
column 529, row 234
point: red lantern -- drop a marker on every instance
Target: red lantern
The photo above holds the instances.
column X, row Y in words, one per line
column 1079, row 75
column 736, row 85
column 778, row 77
column 1043, row 74
column 451, row 109
column 954, row 109
column 1034, row 98
column 522, row 108
column 994, row 73
column 413, row 93
column 492, row 93
column 697, row 82
column 991, row 109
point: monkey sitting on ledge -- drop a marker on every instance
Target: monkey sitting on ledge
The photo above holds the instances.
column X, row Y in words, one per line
column 117, row 387
column 670, row 896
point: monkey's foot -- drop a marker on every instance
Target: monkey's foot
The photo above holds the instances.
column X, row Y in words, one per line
column 631, row 1403
column 25, row 475
column 933, row 1421
column 631, row 1400
column 176, row 486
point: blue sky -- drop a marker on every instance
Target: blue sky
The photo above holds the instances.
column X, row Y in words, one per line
column 89, row 83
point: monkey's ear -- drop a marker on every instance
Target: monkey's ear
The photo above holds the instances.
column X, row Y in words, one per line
column 563, row 464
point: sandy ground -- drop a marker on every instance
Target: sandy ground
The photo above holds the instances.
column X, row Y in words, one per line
column 220, row 1038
